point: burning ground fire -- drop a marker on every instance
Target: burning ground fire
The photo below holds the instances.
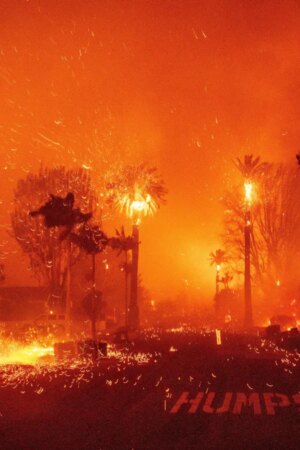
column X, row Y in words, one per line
column 33, row 368
column 12, row 352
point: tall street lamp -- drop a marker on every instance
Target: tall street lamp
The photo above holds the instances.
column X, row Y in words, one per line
column 248, row 319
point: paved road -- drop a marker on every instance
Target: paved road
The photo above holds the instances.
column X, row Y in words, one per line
column 168, row 391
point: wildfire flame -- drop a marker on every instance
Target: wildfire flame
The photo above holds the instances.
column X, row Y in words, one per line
column 137, row 204
column 136, row 190
column 16, row 353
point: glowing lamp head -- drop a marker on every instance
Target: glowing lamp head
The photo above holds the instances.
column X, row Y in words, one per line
column 248, row 192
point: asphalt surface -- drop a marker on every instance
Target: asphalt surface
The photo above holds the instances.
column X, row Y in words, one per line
column 244, row 391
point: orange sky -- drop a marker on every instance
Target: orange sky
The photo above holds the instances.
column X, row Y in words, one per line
column 186, row 85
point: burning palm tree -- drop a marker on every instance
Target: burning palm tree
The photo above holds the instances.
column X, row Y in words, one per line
column 123, row 244
column 137, row 191
column 250, row 168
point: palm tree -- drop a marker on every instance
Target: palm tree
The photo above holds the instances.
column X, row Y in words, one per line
column 138, row 191
column 250, row 168
column 93, row 241
column 60, row 212
column 124, row 244
column 226, row 279
column 217, row 258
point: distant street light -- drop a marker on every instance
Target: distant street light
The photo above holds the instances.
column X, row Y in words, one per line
column 217, row 258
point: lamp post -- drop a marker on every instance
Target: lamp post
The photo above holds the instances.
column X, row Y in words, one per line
column 248, row 319
column 217, row 258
